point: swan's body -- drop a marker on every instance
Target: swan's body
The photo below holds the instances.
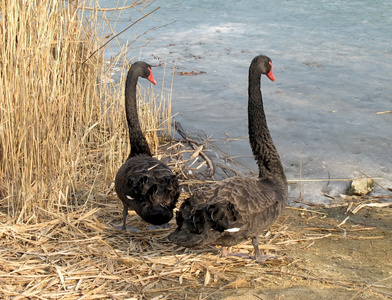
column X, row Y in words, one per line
column 239, row 208
column 144, row 183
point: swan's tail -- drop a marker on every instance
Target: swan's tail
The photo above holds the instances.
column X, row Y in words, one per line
column 191, row 225
column 202, row 224
column 186, row 239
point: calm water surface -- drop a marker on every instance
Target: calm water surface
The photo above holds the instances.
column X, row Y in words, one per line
column 333, row 68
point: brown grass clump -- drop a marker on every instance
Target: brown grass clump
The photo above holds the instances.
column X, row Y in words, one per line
column 79, row 255
column 59, row 139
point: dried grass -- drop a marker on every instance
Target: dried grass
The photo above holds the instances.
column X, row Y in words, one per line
column 62, row 125
column 80, row 255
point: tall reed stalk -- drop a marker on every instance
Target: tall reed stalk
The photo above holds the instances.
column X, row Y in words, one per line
column 62, row 122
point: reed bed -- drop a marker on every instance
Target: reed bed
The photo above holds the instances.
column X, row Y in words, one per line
column 62, row 124
column 76, row 256
column 80, row 255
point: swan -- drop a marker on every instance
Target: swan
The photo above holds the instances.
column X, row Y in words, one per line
column 144, row 183
column 239, row 208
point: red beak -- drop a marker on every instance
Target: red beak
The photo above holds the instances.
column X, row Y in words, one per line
column 151, row 77
column 270, row 75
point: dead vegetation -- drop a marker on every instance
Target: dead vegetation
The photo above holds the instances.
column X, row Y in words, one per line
column 62, row 123
column 80, row 255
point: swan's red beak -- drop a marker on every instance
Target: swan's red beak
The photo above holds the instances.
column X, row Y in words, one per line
column 270, row 75
column 151, row 77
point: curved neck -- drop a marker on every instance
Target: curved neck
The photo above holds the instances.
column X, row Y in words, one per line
column 263, row 148
column 137, row 140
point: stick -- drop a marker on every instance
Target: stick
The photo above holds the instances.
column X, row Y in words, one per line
column 121, row 32
column 195, row 146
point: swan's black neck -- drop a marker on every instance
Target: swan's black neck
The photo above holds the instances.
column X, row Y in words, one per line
column 263, row 148
column 137, row 140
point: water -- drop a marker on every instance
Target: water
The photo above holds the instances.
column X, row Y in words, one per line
column 332, row 63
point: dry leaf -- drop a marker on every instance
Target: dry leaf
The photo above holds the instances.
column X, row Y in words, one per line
column 207, row 278
column 238, row 283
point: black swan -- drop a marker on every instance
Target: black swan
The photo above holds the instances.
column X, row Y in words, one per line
column 239, row 208
column 144, row 183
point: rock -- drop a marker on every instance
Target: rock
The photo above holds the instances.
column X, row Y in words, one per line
column 360, row 187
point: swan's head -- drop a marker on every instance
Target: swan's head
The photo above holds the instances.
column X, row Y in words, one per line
column 263, row 64
column 143, row 69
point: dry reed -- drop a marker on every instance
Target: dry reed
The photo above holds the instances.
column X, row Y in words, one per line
column 79, row 255
column 59, row 139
